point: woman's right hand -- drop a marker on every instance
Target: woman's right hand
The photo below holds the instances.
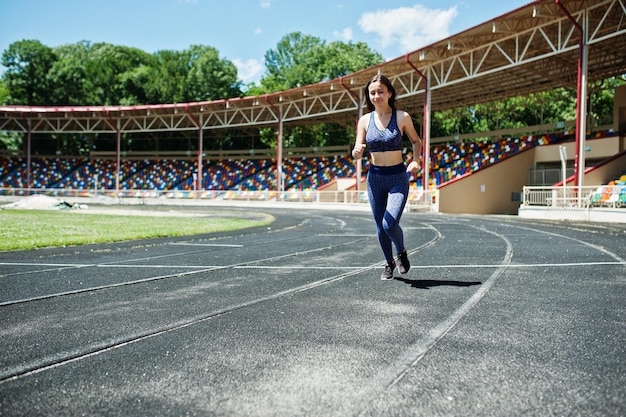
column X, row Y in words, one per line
column 358, row 150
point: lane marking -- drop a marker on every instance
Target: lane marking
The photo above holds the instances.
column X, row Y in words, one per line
column 591, row 245
column 414, row 353
column 199, row 270
column 346, row 235
column 97, row 350
column 250, row 266
column 212, row 245
column 40, row 264
column 103, row 287
column 140, row 266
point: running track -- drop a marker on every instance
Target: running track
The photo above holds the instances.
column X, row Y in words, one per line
column 498, row 316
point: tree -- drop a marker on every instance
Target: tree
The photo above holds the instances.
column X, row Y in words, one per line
column 296, row 61
column 27, row 64
column 4, row 93
column 341, row 59
column 602, row 95
column 166, row 81
column 11, row 141
column 107, row 70
column 534, row 109
column 301, row 59
column 67, row 75
column 209, row 77
column 133, row 85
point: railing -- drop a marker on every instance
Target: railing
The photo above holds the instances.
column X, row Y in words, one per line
column 549, row 176
column 559, row 197
column 419, row 200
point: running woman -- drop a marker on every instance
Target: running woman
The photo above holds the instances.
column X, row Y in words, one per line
column 382, row 130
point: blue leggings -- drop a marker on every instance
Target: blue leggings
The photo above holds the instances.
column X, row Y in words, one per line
column 388, row 190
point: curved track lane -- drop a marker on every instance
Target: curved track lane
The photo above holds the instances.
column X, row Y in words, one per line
column 293, row 320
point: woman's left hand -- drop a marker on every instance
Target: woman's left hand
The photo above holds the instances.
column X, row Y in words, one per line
column 413, row 167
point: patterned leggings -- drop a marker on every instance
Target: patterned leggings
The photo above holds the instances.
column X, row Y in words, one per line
column 388, row 190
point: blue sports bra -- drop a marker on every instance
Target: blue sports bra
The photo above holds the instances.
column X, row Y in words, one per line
column 389, row 139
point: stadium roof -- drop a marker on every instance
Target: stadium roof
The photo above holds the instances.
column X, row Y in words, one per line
column 530, row 49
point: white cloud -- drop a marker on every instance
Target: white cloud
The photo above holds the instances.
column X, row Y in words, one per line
column 265, row 4
column 344, row 34
column 248, row 71
column 409, row 27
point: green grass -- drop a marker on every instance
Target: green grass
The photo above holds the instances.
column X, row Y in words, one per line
column 29, row 229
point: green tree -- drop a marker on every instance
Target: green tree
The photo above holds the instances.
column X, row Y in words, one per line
column 534, row 109
column 67, row 75
column 106, row 69
column 166, row 83
column 340, row 59
column 4, row 93
column 296, row 61
column 301, row 59
column 209, row 77
column 450, row 122
column 133, row 84
column 602, row 95
column 195, row 74
column 27, row 64
column 11, row 141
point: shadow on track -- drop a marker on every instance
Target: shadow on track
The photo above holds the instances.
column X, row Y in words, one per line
column 425, row 284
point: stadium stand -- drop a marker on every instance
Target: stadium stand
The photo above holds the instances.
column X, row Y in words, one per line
column 612, row 194
column 448, row 161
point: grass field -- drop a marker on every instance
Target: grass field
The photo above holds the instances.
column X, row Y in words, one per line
column 30, row 229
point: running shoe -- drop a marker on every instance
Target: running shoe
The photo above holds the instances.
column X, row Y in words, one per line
column 403, row 263
column 388, row 271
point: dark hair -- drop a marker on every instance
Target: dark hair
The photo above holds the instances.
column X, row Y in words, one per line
column 384, row 80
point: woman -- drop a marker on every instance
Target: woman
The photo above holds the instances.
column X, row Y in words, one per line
column 382, row 129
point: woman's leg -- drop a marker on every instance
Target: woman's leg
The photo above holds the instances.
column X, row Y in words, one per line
column 396, row 202
column 377, row 193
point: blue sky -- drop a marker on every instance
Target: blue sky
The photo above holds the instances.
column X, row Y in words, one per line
column 243, row 30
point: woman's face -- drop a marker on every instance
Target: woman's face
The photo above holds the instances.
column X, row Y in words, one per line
column 379, row 94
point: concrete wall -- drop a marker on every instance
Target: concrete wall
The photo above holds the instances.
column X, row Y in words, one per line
column 606, row 172
column 598, row 149
column 488, row 191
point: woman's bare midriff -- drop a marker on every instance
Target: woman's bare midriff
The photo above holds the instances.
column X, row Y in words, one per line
column 386, row 159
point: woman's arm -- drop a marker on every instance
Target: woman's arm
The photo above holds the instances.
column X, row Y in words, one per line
column 408, row 128
column 359, row 146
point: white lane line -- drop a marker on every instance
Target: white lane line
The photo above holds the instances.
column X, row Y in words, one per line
column 558, row 265
column 160, row 266
column 416, row 352
column 472, row 266
column 297, row 267
column 582, row 242
column 213, row 245
column 412, row 355
column 147, row 266
column 346, row 235
column 102, row 287
column 41, row 264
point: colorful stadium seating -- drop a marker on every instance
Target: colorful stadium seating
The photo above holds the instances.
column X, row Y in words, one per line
column 448, row 161
column 612, row 194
